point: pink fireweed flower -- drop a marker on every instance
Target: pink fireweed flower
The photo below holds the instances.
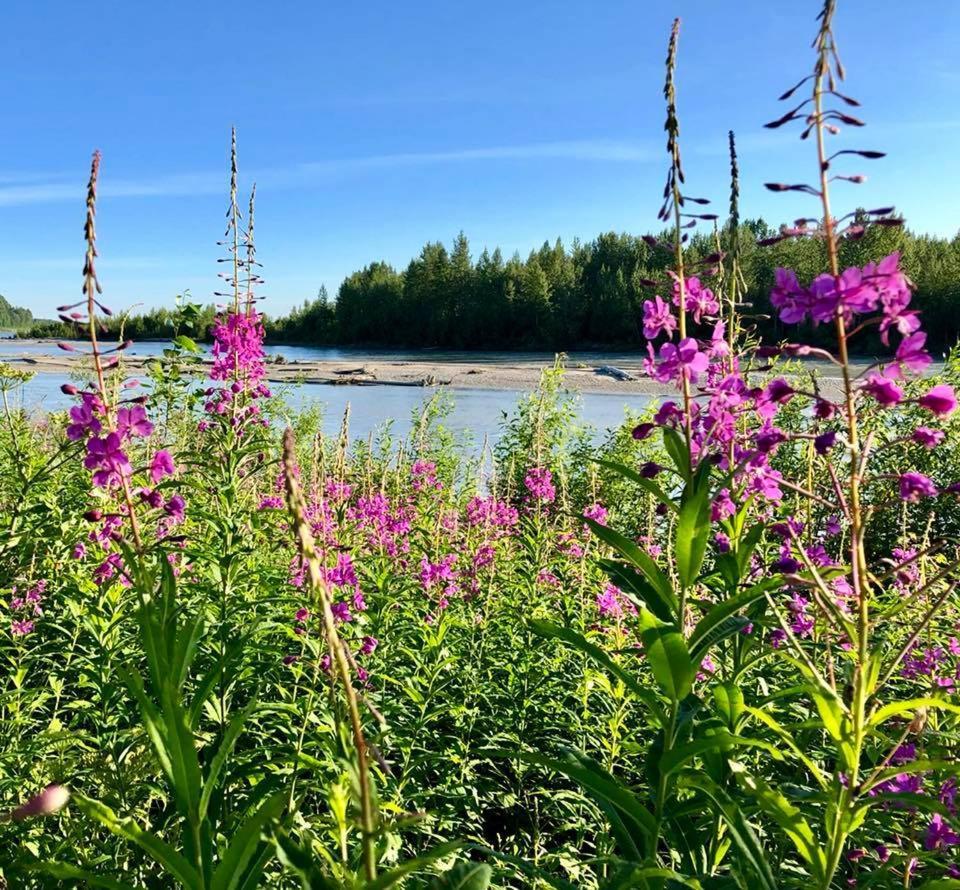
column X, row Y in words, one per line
column 824, row 442
column 657, row 317
column 161, row 466
column 883, row 389
column 914, row 486
column 52, row 799
column 238, row 348
column 939, row 834
column 911, row 356
column 84, row 418
column 940, row 400
column 175, row 508
column 718, row 346
column 338, row 491
column 539, row 482
column 681, row 360
column 434, row 573
column 611, row 602
column 596, row 512
column 133, row 422
column 927, row 437
column 698, row 299
column 21, row 627
column 368, row 645
column 789, row 297
column 849, row 294
column 723, row 506
column 341, row 612
column 424, row 475
column 708, row 667
column 108, row 460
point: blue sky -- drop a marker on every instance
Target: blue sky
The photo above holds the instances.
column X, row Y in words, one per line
column 373, row 127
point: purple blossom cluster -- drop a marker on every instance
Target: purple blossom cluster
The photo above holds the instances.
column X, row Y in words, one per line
column 25, row 608
column 238, row 363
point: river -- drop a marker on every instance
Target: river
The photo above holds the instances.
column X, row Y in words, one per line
column 476, row 413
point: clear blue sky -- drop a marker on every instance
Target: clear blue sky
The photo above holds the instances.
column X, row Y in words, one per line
column 371, row 127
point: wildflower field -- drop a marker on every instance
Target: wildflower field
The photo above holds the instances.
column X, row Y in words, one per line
column 718, row 648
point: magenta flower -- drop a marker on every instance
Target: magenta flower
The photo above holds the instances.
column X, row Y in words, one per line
column 850, row 294
column 698, row 299
column 824, row 442
column 911, row 355
column 52, row 799
column 657, row 317
column 883, row 389
column 914, row 486
column 684, row 359
column 175, row 508
column 133, row 422
column 789, row 297
column 940, row 400
column 539, row 482
column 927, row 437
column 596, row 512
column 939, row 834
column 162, row 465
column 20, row 628
column 109, row 461
column 85, row 417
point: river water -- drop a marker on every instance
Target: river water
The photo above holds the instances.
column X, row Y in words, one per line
column 476, row 413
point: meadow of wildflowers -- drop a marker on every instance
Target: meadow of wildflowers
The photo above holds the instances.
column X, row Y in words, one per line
column 719, row 648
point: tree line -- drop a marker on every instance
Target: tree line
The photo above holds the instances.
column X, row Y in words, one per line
column 588, row 295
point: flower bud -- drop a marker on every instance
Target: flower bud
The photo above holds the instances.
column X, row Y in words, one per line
column 47, row 802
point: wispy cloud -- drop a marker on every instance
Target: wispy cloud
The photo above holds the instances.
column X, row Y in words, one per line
column 315, row 172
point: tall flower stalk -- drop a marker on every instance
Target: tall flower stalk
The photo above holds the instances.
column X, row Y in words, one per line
column 339, row 656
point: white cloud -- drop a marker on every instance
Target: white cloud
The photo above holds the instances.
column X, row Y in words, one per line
column 304, row 174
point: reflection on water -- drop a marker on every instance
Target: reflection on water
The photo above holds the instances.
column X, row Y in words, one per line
column 478, row 412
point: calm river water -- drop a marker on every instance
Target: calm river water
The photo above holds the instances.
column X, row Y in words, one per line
column 476, row 412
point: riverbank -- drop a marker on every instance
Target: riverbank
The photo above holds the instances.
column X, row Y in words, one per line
column 480, row 372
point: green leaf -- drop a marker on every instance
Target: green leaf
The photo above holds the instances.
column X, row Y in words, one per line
column 787, row 739
column 399, row 872
column 723, row 610
column 908, row 706
column 730, row 626
column 220, row 758
column 244, row 844
column 668, row 656
column 67, row 872
column 728, row 698
column 186, row 344
column 524, row 867
column 631, row 838
column 635, row 585
column 638, row 557
column 161, row 853
column 646, row 484
column 568, row 635
column 787, row 816
column 676, row 447
column 741, row 831
column 693, row 528
column 464, row 876
column 597, row 784
column 680, row 754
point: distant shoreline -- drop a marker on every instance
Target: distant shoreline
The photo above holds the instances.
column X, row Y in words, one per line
column 618, row 374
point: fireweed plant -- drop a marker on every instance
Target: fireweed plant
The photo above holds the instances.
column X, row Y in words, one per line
column 817, row 601
column 718, row 648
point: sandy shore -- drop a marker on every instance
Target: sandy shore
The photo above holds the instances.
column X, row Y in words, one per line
column 502, row 375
